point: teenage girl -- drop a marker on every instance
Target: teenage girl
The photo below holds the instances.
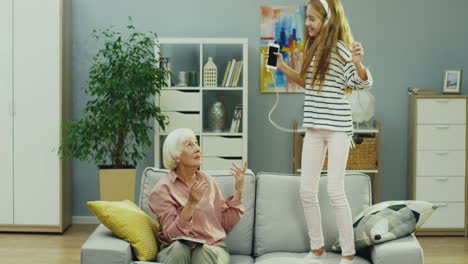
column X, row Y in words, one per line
column 332, row 64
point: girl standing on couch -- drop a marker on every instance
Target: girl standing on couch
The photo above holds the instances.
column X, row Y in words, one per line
column 332, row 64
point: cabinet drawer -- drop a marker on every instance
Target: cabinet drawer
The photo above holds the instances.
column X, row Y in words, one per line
column 441, row 111
column 179, row 101
column 440, row 189
column 182, row 120
column 436, row 163
column 448, row 215
column 217, row 163
column 222, row 146
column 440, row 137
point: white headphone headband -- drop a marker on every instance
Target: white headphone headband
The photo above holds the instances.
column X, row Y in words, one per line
column 327, row 9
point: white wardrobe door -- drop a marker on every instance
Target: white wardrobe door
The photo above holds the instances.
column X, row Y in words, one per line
column 6, row 119
column 37, row 120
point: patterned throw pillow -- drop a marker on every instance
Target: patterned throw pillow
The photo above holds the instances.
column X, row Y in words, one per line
column 127, row 221
column 387, row 221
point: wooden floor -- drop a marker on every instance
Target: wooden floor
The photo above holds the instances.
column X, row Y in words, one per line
column 444, row 250
column 17, row 248
column 65, row 249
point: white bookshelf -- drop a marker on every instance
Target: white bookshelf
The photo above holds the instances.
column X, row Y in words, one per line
column 187, row 106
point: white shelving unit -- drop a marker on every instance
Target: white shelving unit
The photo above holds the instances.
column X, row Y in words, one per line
column 187, row 106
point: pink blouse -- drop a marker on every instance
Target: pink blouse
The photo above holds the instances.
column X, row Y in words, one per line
column 212, row 217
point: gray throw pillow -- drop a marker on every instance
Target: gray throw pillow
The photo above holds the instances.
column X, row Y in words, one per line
column 387, row 221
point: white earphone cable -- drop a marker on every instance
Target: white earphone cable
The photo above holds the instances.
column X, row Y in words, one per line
column 274, row 107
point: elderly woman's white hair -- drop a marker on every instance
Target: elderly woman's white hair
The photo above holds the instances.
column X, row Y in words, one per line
column 172, row 147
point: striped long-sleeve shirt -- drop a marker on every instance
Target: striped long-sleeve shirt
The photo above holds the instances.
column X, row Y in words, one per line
column 330, row 109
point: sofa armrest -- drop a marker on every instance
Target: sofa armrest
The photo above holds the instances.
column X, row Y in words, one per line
column 405, row 250
column 104, row 247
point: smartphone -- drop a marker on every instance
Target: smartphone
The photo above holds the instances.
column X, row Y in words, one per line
column 272, row 58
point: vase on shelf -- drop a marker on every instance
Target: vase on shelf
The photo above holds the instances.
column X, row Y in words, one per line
column 182, row 79
column 192, row 79
column 165, row 64
column 210, row 74
column 216, row 116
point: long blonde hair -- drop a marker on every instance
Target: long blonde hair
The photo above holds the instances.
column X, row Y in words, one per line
column 336, row 29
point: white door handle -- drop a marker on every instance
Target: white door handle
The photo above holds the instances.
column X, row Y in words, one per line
column 441, row 152
column 442, row 126
column 442, row 179
column 442, row 204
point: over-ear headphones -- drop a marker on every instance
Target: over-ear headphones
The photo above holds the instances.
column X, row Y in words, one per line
column 327, row 10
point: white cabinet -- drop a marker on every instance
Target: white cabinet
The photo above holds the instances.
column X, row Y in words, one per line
column 222, row 146
column 179, row 101
column 188, row 106
column 35, row 185
column 180, row 119
column 6, row 112
column 437, row 160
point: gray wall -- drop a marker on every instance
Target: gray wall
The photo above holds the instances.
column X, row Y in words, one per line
column 408, row 43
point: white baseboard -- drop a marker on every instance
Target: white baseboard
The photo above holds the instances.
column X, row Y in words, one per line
column 85, row 220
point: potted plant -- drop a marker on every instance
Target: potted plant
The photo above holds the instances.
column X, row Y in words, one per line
column 123, row 80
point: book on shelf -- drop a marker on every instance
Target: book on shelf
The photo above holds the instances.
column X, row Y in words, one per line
column 236, row 119
column 236, row 73
column 239, row 71
column 231, row 72
column 226, row 71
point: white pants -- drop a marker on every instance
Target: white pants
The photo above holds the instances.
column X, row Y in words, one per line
column 313, row 155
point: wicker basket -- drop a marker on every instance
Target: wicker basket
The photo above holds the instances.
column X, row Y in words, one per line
column 362, row 157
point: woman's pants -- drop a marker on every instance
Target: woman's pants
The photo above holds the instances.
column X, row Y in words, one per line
column 313, row 155
column 180, row 253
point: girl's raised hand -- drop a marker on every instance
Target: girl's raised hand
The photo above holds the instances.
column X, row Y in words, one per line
column 357, row 52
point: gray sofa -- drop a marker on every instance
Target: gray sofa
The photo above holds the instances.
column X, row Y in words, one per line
column 273, row 228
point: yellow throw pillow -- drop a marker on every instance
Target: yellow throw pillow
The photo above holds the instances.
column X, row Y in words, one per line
column 126, row 220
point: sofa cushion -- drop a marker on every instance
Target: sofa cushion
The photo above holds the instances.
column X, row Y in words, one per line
column 388, row 221
column 241, row 259
column 126, row 220
column 279, row 215
column 298, row 258
column 240, row 239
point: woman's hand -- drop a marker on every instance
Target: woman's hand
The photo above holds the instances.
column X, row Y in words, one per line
column 357, row 52
column 280, row 62
column 239, row 174
column 197, row 191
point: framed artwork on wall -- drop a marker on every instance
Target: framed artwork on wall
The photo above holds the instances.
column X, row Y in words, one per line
column 452, row 81
column 282, row 25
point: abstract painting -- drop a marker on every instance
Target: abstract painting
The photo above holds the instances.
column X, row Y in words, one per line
column 283, row 25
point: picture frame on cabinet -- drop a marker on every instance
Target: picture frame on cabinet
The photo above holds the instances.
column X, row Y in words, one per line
column 452, row 81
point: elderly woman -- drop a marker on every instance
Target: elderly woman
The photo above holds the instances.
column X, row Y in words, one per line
column 189, row 204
